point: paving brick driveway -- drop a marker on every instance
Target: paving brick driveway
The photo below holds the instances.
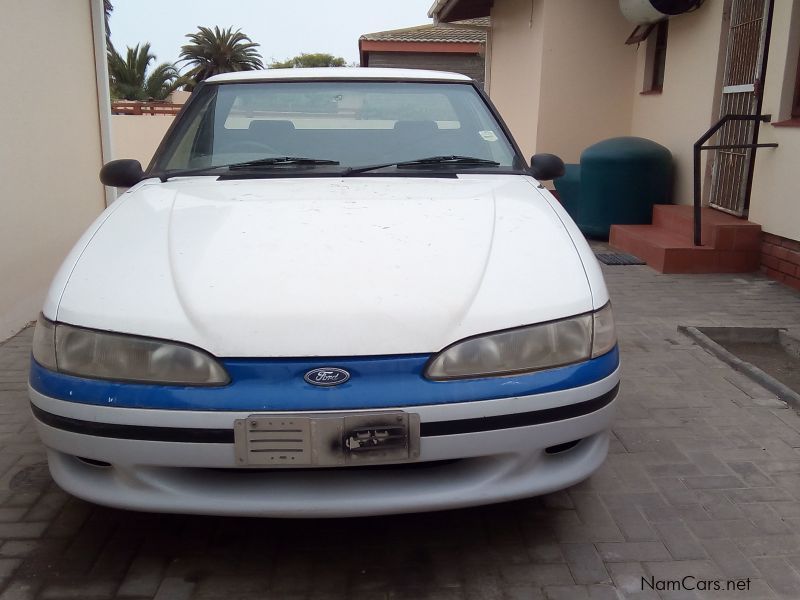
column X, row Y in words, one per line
column 703, row 480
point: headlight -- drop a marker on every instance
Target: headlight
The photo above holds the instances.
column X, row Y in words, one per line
column 525, row 349
column 604, row 335
column 105, row 355
column 44, row 343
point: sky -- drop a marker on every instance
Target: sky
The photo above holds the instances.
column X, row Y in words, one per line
column 283, row 28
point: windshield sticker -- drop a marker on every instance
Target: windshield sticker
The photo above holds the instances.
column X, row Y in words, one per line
column 489, row 136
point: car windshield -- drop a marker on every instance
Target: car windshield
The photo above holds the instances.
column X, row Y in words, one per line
column 355, row 123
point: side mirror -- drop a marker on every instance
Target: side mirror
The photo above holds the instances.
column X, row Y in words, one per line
column 546, row 166
column 121, row 173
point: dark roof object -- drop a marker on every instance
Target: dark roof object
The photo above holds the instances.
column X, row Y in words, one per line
column 456, row 10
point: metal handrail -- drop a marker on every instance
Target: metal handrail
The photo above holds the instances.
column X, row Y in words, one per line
column 698, row 148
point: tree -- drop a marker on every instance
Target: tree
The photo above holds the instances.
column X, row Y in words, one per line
column 132, row 79
column 318, row 59
column 108, row 8
column 218, row 51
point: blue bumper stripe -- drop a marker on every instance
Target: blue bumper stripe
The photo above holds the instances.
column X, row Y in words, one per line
column 278, row 384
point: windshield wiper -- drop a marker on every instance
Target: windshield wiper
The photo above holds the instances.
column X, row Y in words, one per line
column 281, row 160
column 249, row 164
column 427, row 162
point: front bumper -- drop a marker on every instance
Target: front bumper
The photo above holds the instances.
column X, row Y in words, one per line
column 471, row 453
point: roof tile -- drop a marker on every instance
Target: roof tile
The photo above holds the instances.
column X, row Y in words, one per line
column 433, row 33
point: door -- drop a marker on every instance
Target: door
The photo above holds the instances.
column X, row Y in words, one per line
column 740, row 91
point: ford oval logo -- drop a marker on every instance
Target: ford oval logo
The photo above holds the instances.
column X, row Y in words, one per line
column 327, row 376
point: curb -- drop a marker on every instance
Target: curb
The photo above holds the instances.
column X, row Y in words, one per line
column 765, row 380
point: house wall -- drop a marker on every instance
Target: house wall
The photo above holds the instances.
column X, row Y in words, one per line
column 535, row 59
column 558, row 92
column 587, row 76
column 138, row 136
column 775, row 200
column 49, row 161
column 689, row 102
column 516, row 66
column 559, row 73
column 179, row 97
column 471, row 65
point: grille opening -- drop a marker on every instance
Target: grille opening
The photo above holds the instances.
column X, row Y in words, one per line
column 559, row 448
column 94, row 463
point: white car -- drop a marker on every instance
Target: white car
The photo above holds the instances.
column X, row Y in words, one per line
column 333, row 292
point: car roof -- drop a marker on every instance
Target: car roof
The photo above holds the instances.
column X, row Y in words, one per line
column 337, row 73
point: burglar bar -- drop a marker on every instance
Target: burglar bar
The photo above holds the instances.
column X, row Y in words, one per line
column 698, row 148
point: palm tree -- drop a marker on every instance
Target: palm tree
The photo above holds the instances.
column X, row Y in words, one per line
column 108, row 8
column 131, row 78
column 219, row 51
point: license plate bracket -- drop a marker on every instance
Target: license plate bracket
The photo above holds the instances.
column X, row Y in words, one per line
column 340, row 439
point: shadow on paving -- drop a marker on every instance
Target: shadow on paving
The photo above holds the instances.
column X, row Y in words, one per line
column 89, row 551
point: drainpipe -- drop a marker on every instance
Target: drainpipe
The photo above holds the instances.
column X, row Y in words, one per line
column 103, row 91
column 487, row 58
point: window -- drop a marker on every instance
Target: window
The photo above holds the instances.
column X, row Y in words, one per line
column 356, row 123
column 656, row 59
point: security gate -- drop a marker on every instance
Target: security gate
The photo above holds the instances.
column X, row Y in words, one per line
column 741, row 95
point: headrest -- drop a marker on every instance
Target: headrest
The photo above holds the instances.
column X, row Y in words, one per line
column 416, row 127
column 269, row 127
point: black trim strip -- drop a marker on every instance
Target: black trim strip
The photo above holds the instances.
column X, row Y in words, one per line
column 535, row 417
column 134, row 432
column 225, row 436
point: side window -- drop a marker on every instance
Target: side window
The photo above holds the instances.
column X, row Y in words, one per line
column 189, row 150
column 656, row 60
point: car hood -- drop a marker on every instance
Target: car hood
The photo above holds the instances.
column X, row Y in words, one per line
column 326, row 266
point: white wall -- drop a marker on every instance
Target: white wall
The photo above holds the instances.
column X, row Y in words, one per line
column 688, row 105
column 775, row 201
column 561, row 74
column 565, row 78
column 51, row 152
column 587, row 75
column 516, row 66
column 138, row 136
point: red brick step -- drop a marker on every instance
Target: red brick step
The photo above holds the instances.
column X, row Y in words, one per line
column 730, row 244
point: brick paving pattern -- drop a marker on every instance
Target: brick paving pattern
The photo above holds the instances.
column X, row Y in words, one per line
column 703, row 479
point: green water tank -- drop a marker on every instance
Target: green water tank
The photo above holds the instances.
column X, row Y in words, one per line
column 619, row 181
